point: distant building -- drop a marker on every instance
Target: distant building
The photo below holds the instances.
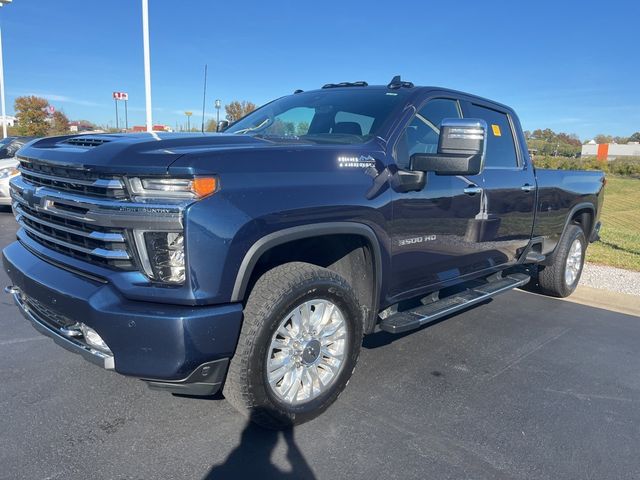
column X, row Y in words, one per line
column 10, row 120
column 80, row 126
column 156, row 128
column 610, row 151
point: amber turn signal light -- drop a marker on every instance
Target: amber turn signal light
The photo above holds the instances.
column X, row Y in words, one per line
column 204, row 186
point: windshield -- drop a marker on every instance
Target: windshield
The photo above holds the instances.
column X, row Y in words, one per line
column 352, row 115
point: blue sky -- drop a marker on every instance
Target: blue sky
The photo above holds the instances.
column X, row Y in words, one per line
column 570, row 66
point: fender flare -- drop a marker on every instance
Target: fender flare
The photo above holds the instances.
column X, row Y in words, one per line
column 567, row 222
column 286, row 235
column 576, row 208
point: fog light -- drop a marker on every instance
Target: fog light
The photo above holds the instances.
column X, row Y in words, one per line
column 93, row 339
column 162, row 255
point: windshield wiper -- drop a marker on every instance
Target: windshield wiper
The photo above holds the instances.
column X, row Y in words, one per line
column 254, row 128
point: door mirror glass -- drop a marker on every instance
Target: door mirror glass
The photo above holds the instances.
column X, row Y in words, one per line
column 461, row 149
column 222, row 126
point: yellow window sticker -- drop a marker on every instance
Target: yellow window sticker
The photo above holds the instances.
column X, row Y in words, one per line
column 496, row 130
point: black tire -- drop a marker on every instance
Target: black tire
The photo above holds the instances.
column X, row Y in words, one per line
column 551, row 278
column 274, row 295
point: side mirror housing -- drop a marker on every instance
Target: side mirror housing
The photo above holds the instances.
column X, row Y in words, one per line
column 222, row 126
column 461, row 149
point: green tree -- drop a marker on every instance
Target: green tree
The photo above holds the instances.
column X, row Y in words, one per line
column 601, row 138
column 302, row 128
column 59, row 124
column 635, row 137
column 31, row 116
column 237, row 109
column 548, row 142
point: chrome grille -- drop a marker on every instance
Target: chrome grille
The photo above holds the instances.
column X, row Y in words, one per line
column 95, row 230
column 71, row 180
column 52, row 228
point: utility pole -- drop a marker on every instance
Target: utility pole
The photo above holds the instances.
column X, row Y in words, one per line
column 204, row 95
column 2, row 101
column 117, row 122
column 147, row 62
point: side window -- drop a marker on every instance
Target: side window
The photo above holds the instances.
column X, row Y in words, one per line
column 422, row 134
column 501, row 150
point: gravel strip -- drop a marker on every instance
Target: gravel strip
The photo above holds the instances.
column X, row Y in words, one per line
column 611, row 279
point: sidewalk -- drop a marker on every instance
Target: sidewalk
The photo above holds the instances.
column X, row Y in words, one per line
column 613, row 301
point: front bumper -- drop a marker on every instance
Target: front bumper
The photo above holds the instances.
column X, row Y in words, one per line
column 178, row 348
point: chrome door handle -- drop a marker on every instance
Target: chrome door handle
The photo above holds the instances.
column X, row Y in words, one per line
column 472, row 190
column 527, row 188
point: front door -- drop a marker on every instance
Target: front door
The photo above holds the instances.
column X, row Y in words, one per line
column 509, row 185
column 435, row 231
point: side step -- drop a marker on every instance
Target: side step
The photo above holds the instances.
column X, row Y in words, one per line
column 417, row 317
column 534, row 257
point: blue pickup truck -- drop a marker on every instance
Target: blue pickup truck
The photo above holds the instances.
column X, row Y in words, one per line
column 253, row 260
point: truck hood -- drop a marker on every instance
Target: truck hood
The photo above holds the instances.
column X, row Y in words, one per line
column 144, row 153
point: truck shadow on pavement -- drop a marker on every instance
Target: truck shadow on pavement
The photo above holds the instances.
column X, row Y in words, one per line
column 252, row 457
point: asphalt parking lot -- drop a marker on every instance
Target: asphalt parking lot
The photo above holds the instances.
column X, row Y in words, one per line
column 521, row 387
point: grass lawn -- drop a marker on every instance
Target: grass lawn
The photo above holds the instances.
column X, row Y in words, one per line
column 620, row 235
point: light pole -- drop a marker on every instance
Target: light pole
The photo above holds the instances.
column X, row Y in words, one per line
column 2, row 102
column 188, row 114
column 218, row 104
column 147, row 62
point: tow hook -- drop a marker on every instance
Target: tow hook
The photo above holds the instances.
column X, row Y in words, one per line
column 12, row 290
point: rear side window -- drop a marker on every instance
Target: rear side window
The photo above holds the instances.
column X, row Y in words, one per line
column 501, row 147
column 422, row 134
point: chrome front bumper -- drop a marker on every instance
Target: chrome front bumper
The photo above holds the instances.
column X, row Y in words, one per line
column 70, row 343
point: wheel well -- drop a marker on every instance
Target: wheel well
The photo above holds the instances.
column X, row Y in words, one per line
column 584, row 219
column 349, row 255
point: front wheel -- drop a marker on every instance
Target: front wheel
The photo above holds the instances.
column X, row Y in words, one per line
column 561, row 278
column 299, row 344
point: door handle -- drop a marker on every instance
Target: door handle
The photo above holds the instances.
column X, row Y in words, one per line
column 527, row 188
column 472, row 190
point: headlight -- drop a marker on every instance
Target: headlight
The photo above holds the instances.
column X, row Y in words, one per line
column 162, row 255
column 172, row 188
column 8, row 172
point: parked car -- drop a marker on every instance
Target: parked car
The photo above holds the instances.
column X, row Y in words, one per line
column 254, row 260
column 9, row 165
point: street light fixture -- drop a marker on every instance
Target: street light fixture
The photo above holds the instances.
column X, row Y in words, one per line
column 2, row 101
column 218, row 104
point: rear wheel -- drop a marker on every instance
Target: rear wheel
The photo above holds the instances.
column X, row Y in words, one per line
column 561, row 278
column 298, row 346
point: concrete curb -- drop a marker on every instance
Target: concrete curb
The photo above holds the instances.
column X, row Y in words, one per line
column 614, row 301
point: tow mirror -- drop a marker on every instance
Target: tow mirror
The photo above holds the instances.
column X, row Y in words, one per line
column 222, row 126
column 461, row 149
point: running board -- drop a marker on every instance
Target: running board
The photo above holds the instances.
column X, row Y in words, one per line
column 417, row 317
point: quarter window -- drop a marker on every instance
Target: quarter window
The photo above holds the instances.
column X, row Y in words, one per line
column 422, row 134
column 501, row 151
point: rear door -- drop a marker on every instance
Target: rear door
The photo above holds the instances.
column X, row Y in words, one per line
column 506, row 219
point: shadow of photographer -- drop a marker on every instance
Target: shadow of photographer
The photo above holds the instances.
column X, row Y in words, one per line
column 252, row 457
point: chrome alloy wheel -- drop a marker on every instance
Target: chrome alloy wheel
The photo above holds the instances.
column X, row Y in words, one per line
column 574, row 263
column 307, row 351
